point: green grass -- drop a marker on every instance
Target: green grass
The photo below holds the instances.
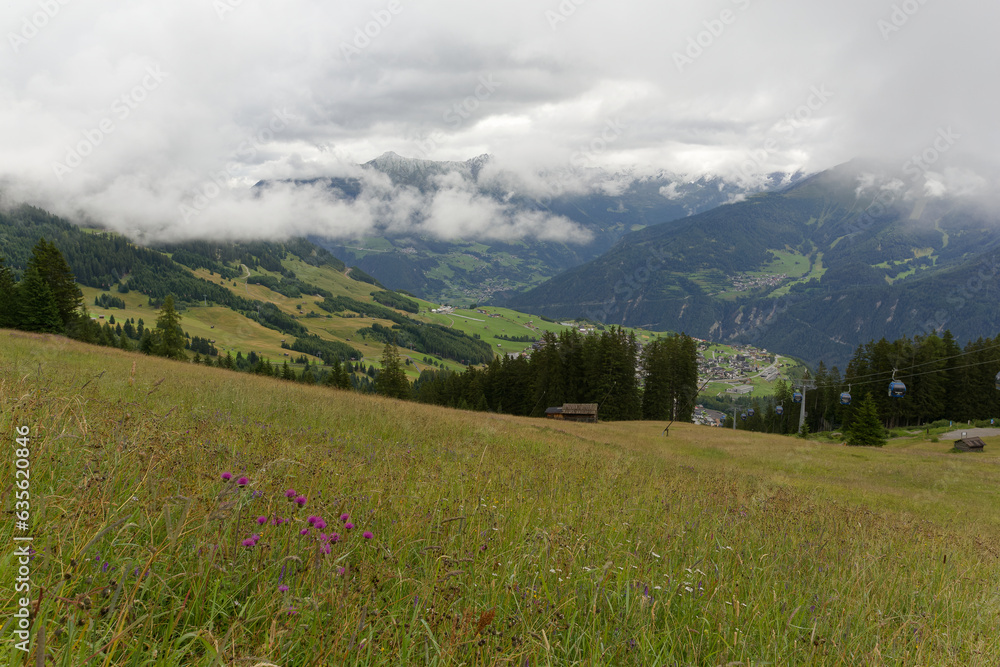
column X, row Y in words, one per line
column 792, row 264
column 496, row 540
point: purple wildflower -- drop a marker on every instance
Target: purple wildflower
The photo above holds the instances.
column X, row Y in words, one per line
column 348, row 526
column 290, row 494
column 320, row 524
column 312, row 520
column 227, row 476
column 335, row 538
column 304, row 531
column 344, row 517
column 368, row 535
column 282, row 588
column 242, row 481
column 261, row 520
column 301, row 500
column 249, row 542
column 324, row 549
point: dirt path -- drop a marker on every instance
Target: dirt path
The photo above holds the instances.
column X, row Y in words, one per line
column 971, row 432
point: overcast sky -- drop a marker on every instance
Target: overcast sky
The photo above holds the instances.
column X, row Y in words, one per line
column 158, row 116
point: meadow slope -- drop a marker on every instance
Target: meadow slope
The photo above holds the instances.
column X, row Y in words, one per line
column 476, row 539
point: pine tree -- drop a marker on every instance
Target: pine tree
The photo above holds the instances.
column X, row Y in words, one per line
column 391, row 381
column 52, row 267
column 146, row 343
column 37, row 310
column 866, row 427
column 170, row 341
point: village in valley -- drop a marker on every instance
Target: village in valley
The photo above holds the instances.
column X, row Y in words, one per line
column 723, row 370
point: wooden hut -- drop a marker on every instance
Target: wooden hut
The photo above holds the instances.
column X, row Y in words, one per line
column 577, row 412
column 969, row 444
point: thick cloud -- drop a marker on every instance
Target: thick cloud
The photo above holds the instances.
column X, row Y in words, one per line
column 135, row 113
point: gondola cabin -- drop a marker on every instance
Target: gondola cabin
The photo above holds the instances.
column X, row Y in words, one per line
column 845, row 398
column 778, row 410
column 797, row 397
column 743, row 416
column 897, row 389
column 750, row 412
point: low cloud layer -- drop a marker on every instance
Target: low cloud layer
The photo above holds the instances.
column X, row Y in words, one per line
column 136, row 113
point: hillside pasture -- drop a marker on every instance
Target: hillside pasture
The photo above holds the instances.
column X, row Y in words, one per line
column 478, row 539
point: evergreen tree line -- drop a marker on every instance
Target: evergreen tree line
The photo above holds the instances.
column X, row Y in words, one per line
column 661, row 382
column 945, row 382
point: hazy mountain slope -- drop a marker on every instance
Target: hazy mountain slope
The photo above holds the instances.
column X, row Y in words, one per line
column 807, row 271
column 463, row 267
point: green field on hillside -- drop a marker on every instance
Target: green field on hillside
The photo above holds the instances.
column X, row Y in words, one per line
column 476, row 539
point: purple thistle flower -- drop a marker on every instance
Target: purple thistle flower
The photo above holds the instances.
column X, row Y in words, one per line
column 104, row 568
column 242, row 481
column 344, row 517
column 324, row 549
column 227, row 476
column 249, row 542
column 312, row 520
column 304, row 531
column 282, row 588
column 320, row 524
column 368, row 535
column 340, row 570
column 261, row 520
column 323, row 537
column 335, row 538
column 290, row 494
column 348, row 526
column 301, row 500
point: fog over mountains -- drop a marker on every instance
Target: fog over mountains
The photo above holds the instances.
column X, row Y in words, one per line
column 470, row 230
column 838, row 259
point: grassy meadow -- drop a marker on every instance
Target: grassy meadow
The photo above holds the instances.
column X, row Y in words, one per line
column 476, row 539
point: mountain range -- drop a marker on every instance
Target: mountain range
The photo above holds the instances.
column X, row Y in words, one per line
column 839, row 258
column 595, row 206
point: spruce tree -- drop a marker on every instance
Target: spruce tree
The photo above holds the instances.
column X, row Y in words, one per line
column 52, row 267
column 866, row 428
column 37, row 310
column 391, row 381
column 170, row 340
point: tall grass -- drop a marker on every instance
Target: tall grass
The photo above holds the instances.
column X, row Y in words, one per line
column 494, row 540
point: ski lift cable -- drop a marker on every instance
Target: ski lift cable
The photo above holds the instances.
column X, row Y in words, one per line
column 878, row 374
column 854, row 380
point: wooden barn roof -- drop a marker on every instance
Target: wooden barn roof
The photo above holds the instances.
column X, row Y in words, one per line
column 579, row 408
